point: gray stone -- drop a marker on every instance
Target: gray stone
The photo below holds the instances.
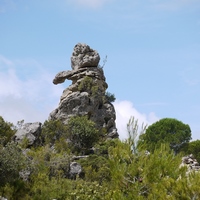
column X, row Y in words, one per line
column 25, row 175
column 30, row 131
column 84, row 56
column 191, row 163
column 75, row 170
column 89, row 101
column 61, row 77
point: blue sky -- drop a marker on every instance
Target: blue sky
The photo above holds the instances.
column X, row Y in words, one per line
column 152, row 49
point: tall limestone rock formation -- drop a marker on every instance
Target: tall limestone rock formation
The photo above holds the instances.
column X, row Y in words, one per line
column 86, row 94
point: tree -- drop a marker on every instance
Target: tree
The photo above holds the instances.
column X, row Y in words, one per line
column 6, row 131
column 82, row 133
column 167, row 130
column 11, row 162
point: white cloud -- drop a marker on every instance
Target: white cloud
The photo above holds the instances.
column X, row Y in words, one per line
column 29, row 96
column 90, row 3
column 125, row 110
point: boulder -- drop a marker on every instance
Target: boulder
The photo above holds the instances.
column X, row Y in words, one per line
column 191, row 163
column 29, row 131
column 84, row 56
column 75, row 170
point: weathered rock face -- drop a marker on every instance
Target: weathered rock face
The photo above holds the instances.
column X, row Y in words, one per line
column 86, row 94
column 30, row 131
column 84, row 56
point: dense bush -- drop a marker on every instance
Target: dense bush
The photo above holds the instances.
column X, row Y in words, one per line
column 12, row 161
column 52, row 131
column 6, row 131
column 82, row 133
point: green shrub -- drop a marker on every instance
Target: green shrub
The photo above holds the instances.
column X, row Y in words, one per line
column 110, row 97
column 12, row 161
column 52, row 131
column 82, row 133
column 86, row 84
column 6, row 131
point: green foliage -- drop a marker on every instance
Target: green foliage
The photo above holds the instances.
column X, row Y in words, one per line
column 52, row 131
column 110, row 97
column 113, row 171
column 192, row 148
column 82, row 133
column 46, row 161
column 94, row 90
column 89, row 190
column 117, row 174
column 24, row 143
column 6, row 131
column 144, row 176
column 17, row 190
column 134, row 133
column 59, row 188
column 166, row 130
column 96, row 168
column 86, row 84
column 43, row 188
column 101, row 148
column 12, row 161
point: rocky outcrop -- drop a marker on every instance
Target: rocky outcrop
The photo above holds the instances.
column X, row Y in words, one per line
column 191, row 163
column 30, row 132
column 86, row 95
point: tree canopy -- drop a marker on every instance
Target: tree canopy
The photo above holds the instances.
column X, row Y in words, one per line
column 167, row 130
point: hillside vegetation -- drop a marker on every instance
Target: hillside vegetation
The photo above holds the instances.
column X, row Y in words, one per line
column 110, row 169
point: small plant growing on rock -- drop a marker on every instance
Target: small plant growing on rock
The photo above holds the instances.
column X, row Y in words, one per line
column 88, row 85
column 110, row 97
column 85, row 84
